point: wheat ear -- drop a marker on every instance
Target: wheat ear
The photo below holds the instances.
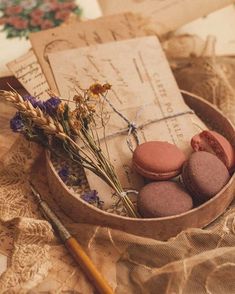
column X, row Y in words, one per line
column 43, row 121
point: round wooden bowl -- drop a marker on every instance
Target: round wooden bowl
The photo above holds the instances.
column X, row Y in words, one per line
column 158, row 228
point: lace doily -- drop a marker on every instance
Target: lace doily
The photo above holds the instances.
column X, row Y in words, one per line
column 38, row 262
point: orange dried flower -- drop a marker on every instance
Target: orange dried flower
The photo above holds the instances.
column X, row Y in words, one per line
column 96, row 89
column 107, row 87
column 78, row 98
column 61, row 108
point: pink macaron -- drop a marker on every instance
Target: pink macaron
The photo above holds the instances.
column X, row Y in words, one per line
column 158, row 160
column 216, row 144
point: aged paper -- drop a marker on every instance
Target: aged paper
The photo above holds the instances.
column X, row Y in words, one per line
column 144, row 90
column 29, row 73
column 81, row 34
column 166, row 15
column 12, row 48
column 219, row 24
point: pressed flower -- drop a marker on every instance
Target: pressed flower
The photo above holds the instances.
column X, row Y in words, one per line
column 36, row 22
column 78, row 98
column 51, row 105
column 46, row 7
column 96, row 89
column 47, row 24
column 75, row 126
column 28, row 4
column 61, row 108
column 91, row 197
column 63, row 173
column 35, row 102
column 13, row 10
column 35, row 14
column 16, row 123
column 31, row 99
column 62, row 15
column 21, row 24
column 21, row 17
column 3, row 20
column 107, row 87
column 54, row 129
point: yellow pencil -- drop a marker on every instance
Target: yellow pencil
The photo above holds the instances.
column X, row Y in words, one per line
column 74, row 248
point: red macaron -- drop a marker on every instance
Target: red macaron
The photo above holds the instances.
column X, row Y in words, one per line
column 216, row 144
column 158, row 160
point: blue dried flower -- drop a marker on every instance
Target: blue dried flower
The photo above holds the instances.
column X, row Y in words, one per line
column 16, row 123
column 35, row 102
column 91, row 197
column 31, row 99
column 63, row 173
column 41, row 105
column 51, row 105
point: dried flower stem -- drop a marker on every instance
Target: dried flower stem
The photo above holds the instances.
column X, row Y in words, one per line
column 95, row 161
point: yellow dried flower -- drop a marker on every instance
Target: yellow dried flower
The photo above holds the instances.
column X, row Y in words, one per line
column 78, row 98
column 61, row 108
column 106, row 87
column 91, row 108
column 74, row 121
column 96, row 89
column 76, row 126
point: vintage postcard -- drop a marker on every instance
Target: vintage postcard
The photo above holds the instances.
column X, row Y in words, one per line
column 166, row 15
column 143, row 90
column 81, row 34
column 28, row 72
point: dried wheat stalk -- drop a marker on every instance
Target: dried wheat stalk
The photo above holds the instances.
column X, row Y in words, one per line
column 102, row 168
column 43, row 121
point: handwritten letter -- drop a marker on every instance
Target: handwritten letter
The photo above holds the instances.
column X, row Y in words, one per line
column 143, row 89
column 81, row 34
column 28, row 71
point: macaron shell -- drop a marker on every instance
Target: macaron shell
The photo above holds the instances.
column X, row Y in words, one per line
column 158, row 160
column 204, row 175
column 215, row 143
column 156, row 176
column 160, row 199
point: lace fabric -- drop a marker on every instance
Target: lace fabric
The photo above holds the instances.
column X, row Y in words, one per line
column 38, row 262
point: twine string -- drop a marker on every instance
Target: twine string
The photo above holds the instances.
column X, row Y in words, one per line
column 125, row 193
column 132, row 126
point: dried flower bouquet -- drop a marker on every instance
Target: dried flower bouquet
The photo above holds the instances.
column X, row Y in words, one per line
column 54, row 121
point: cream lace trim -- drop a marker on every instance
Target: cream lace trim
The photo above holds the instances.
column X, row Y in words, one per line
column 29, row 262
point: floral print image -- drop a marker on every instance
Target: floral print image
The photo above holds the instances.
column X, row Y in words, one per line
column 20, row 17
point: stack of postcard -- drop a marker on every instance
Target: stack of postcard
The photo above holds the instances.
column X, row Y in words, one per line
column 120, row 49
